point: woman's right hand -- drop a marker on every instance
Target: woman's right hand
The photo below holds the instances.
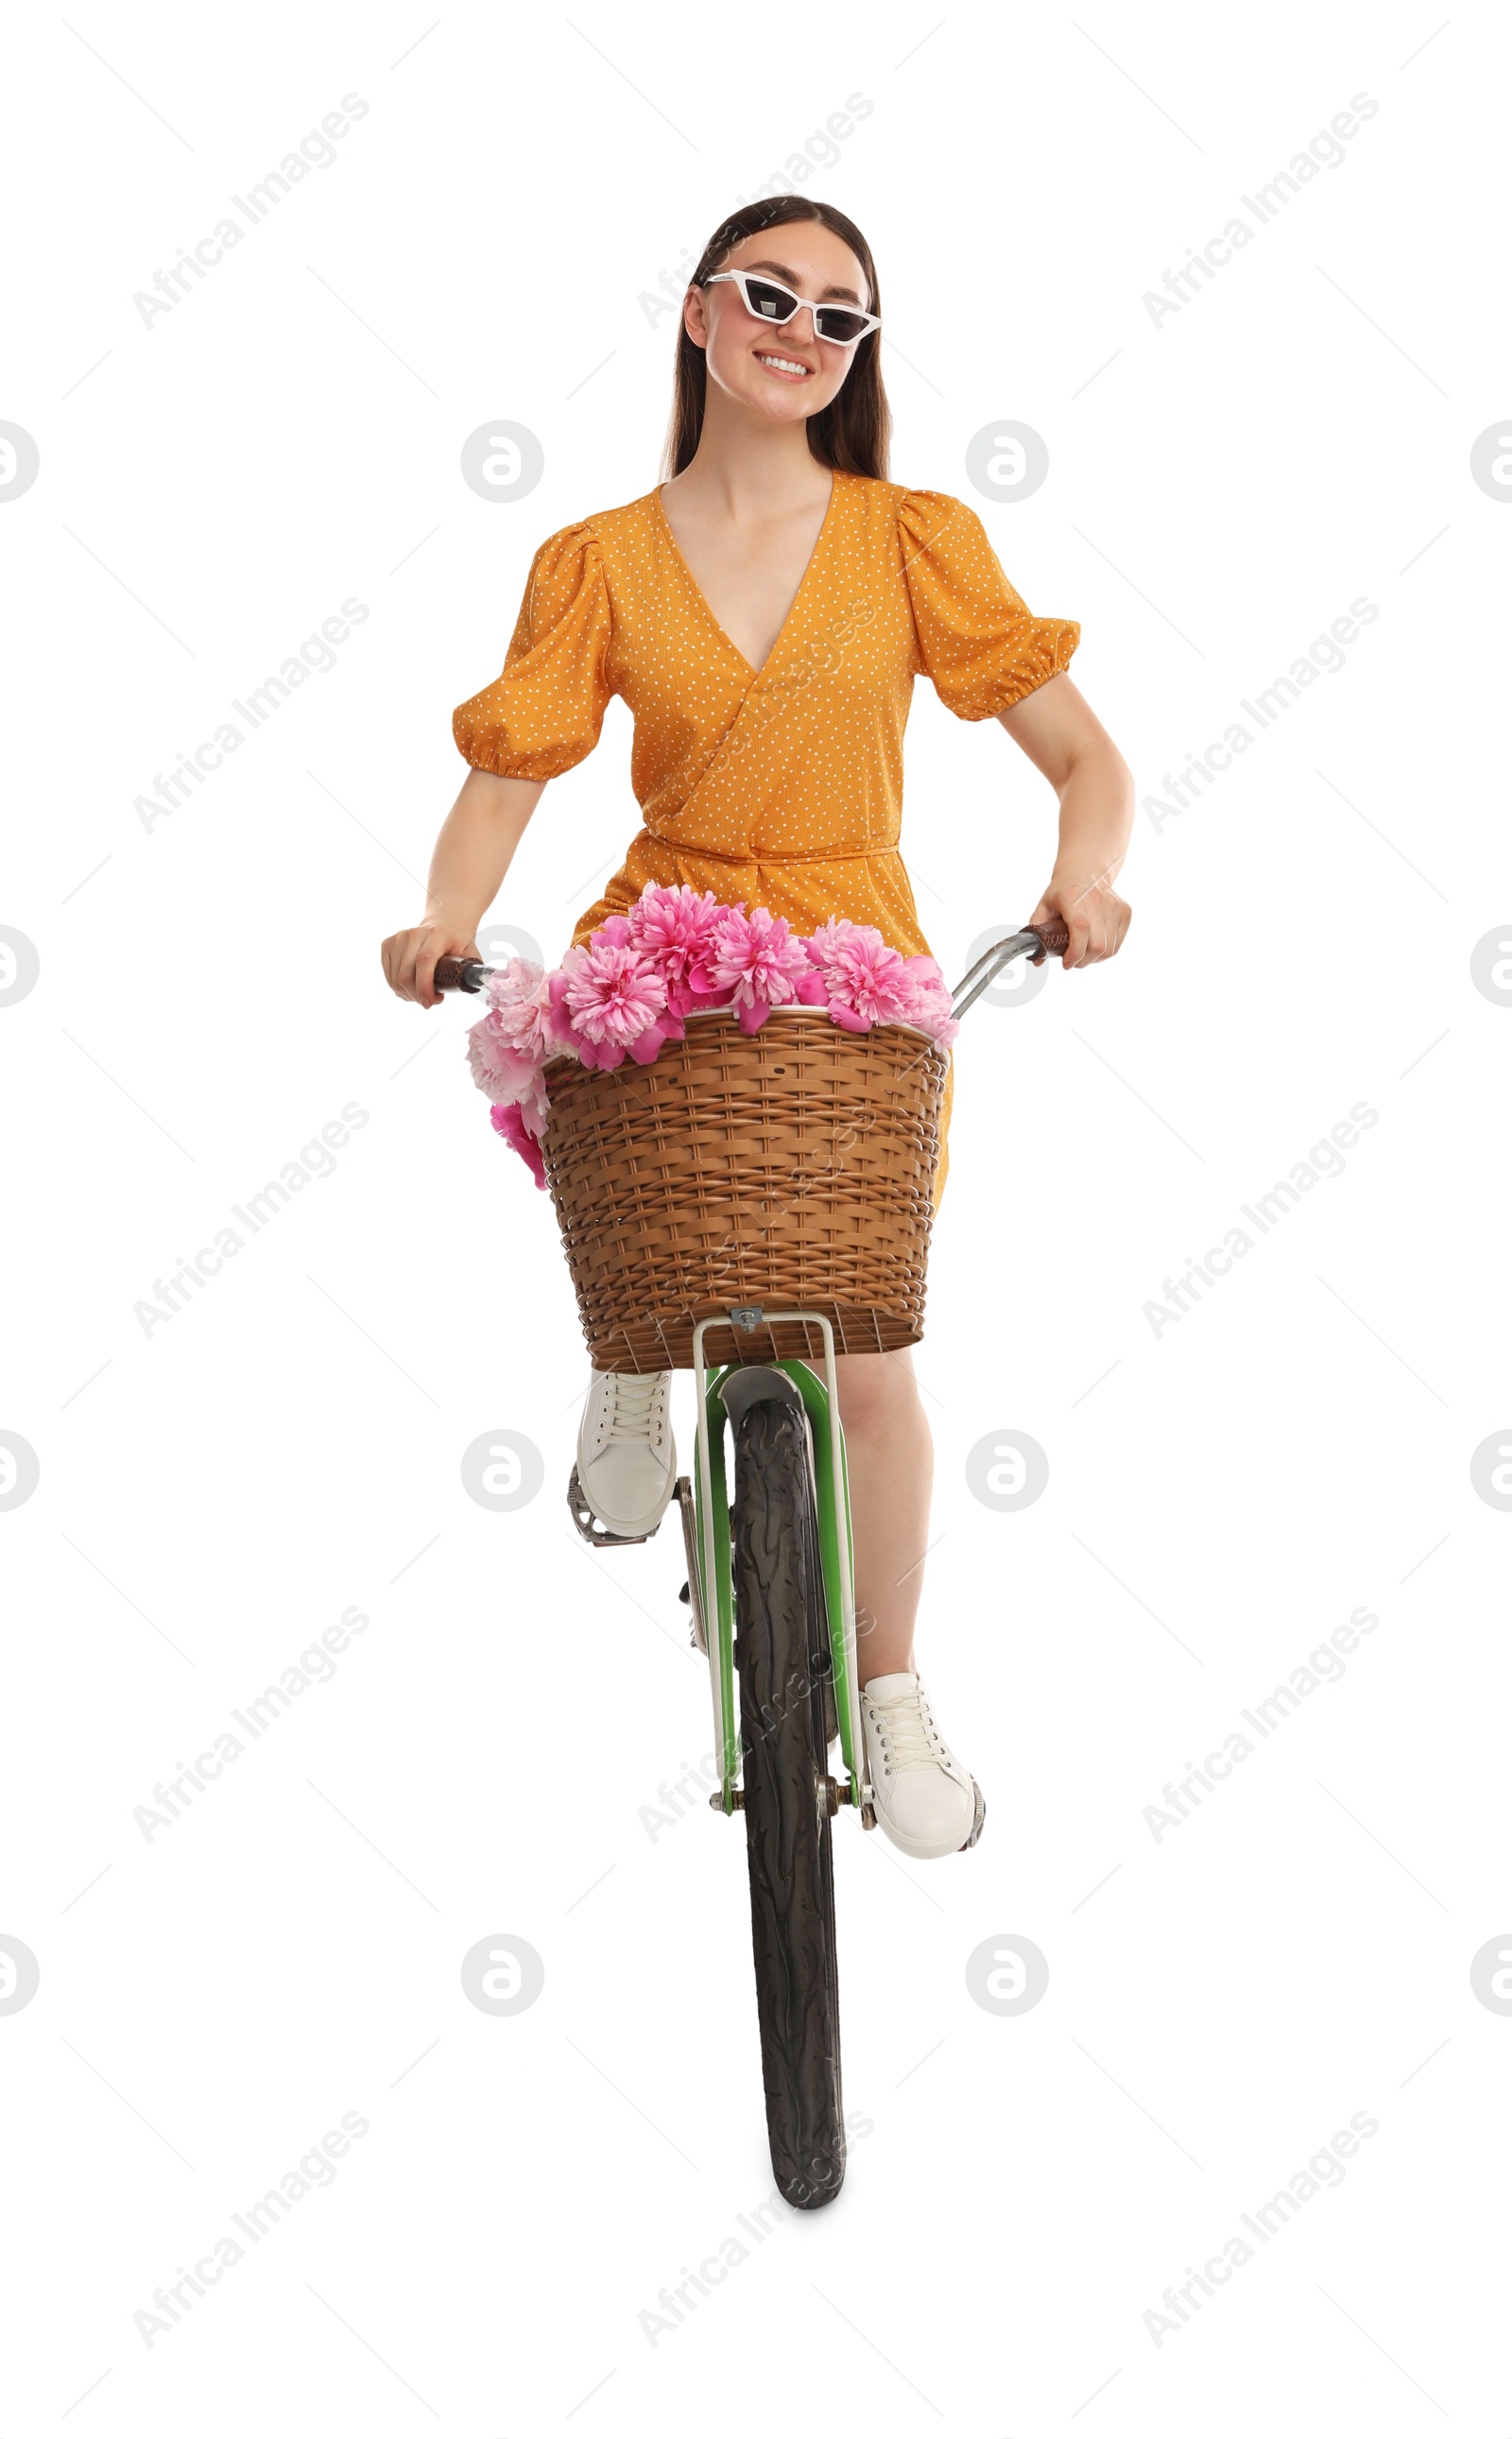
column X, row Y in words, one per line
column 410, row 958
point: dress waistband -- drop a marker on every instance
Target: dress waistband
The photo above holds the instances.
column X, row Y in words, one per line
column 817, row 855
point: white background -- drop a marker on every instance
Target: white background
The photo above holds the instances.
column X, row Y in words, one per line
column 1221, row 1496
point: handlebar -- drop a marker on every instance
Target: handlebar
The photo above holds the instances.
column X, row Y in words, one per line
column 1035, row 940
column 461, row 973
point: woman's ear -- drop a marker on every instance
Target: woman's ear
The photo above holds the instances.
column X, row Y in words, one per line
column 695, row 317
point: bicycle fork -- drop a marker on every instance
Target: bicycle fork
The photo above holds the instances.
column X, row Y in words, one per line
column 705, row 1513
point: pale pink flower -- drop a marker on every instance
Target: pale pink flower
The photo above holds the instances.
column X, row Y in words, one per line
column 518, row 994
column 499, row 1069
column 756, row 960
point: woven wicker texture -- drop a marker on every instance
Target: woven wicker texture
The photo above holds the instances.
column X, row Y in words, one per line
column 792, row 1167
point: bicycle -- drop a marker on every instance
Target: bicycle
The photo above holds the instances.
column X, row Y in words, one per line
column 778, row 1565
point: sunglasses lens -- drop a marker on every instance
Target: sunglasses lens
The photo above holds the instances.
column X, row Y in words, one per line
column 769, row 302
column 837, row 323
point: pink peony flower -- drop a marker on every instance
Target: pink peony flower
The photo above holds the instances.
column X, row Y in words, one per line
column 930, row 999
column 665, row 1028
column 671, row 925
column 755, row 960
column 509, row 1121
column 608, row 996
column 577, row 1044
column 824, row 946
column 518, row 994
column 687, row 997
column 869, row 983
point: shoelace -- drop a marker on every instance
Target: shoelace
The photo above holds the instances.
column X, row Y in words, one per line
column 633, row 1397
column 905, row 1737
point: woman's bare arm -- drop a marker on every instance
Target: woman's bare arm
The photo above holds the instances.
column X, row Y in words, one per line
column 472, row 854
column 1063, row 738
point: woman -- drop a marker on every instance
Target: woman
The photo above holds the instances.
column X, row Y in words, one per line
column 764, row 614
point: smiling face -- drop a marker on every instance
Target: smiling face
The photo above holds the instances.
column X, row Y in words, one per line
column 786, row 374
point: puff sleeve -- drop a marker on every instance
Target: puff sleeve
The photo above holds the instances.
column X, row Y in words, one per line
column 978, row 642
column 544, row 713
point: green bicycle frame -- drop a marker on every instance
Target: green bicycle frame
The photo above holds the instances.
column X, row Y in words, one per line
column 836, row 1549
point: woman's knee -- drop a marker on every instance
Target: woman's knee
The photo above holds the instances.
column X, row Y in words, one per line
column 876, row 1392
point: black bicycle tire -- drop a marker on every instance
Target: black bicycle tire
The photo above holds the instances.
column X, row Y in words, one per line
column 783, row 1653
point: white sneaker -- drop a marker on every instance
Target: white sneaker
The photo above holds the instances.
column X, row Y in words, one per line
column 926, row 1801
column 627, row 1457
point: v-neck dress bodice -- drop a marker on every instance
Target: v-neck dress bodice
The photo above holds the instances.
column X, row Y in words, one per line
column 696, row 590
column 779, row 787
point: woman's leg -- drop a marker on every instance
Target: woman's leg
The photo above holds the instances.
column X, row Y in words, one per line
column 926, row 1801
column 891, row 1463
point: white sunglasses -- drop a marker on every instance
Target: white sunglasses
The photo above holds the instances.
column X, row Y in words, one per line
column 771, row 300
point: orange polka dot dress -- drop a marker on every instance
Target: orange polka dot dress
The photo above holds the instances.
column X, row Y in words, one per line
column 783, row 786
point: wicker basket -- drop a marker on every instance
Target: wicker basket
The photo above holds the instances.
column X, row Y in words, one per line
column 791, row 1166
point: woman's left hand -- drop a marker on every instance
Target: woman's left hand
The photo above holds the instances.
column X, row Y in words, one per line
column 1093, row 912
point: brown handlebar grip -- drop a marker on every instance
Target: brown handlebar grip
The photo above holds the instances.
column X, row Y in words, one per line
column 448, row 974
column 1055, row 934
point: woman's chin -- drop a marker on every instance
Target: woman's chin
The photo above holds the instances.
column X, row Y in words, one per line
column 781, row 402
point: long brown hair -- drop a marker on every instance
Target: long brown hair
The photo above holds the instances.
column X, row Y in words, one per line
column 851, row 433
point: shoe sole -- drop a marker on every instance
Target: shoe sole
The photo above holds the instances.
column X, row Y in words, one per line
column 641, row 1530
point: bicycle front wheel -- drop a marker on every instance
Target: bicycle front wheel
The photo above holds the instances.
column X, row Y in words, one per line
column 783, row 1651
